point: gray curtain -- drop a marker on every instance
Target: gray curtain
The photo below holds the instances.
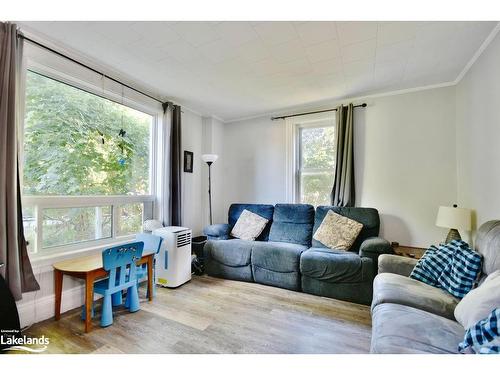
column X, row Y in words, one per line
column 17, row 269
column 343, row 192
column 175, row 168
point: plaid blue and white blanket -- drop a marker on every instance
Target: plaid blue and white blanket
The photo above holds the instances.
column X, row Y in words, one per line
column 484, row 336
column 454, row 267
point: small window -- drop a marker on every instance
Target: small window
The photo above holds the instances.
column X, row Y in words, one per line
column 316, row 162
column 64, row 226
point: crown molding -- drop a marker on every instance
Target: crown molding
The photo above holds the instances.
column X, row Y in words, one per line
column 326, row 103
column 478, row 53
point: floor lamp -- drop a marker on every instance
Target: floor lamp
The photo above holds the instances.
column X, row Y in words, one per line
column 209, row 159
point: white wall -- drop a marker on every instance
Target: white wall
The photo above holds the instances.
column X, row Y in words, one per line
column 192, row 140
column 478, row 135
column 404, row 158
column 254, row 162
column 213, row 143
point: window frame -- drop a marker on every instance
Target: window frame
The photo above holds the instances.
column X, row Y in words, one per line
column 41, row 202
column 294, row 126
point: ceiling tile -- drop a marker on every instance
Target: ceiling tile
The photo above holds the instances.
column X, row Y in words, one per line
column 396, row 51
column 297, row 67
column 236, row 33
column 184, row 51
column 353, row 32
column 359, row 68
column 288, row 51
column 359, row 51
column 217, row 51
column 393, row 32
column 323, row 51
column 240, row 69
column 327, row 66
column 253, row 51
column 196, row 33
column 272, row 33
column 316, row 32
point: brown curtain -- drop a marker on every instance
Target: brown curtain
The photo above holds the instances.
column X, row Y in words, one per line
column 175, row 168
column 17, row 269
column 343, row 192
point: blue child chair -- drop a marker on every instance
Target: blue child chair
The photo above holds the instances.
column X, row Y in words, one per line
column 152, row 243
column 117, row 260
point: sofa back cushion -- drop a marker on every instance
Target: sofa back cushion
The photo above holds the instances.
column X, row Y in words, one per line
column 488, row 245
column 367, row 216
column 292, row 223
column 264, row 210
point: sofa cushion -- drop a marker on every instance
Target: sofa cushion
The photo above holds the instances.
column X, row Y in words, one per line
column 392, row 288
column 337, row 231
column 292, row 223
column 277, row 256
column 367, row 216
column 487, row 244
column 479, row 302
column 264, row 210
column 233, row 253
column 403, row 329
column 333, row 266
column 249, row 226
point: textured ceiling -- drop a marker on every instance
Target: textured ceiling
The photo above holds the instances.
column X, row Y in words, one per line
column 241, row 69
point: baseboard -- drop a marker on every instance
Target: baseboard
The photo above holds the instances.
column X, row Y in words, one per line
column 39, row 309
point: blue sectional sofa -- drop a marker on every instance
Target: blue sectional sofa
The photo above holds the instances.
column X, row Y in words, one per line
column 285, row 254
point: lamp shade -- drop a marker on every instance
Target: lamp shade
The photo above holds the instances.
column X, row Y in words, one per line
column 454, row 218
column 209, row 158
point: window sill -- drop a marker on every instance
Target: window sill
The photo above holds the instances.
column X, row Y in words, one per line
column 43, row 263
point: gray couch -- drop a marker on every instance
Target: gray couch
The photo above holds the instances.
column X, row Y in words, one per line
column 409, row 316
column 285, row 254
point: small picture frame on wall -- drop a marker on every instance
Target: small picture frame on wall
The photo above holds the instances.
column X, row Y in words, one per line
column 188, row 161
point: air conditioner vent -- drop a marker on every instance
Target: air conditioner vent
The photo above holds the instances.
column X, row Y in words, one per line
column 183, row 239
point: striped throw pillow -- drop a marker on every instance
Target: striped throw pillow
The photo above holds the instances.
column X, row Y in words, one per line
column 484, row 336
column 461, row 274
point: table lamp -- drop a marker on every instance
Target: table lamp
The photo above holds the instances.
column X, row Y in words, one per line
column 455, row 219
column 209, row 159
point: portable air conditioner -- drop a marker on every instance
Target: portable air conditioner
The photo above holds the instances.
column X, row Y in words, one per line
column 173, row 265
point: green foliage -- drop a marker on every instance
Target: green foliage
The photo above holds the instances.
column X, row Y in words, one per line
column 317, row 163
column 64, row 153
column 73, row 146
column 318, row 146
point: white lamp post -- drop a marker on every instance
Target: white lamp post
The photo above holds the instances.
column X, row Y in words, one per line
column 209, row 159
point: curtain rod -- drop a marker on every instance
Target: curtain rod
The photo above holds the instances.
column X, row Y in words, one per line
column 313, row 112
column 92, row 69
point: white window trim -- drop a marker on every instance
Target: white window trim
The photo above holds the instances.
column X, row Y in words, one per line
column 41, row 202
column 292, row 151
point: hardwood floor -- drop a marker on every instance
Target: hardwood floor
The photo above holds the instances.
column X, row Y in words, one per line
column 210, row 315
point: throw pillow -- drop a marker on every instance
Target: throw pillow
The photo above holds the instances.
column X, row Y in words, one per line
column 483, row 337
column 479, row 302
column 461, row 274
column 432, row 264
column 337, row 232
column 249, row 226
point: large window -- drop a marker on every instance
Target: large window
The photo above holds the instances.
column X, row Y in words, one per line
column 315, row 162
column 87, row 166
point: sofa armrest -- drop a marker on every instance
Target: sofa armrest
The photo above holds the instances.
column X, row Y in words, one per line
column 396, row 264
column 374, row 247
column 217, row 231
